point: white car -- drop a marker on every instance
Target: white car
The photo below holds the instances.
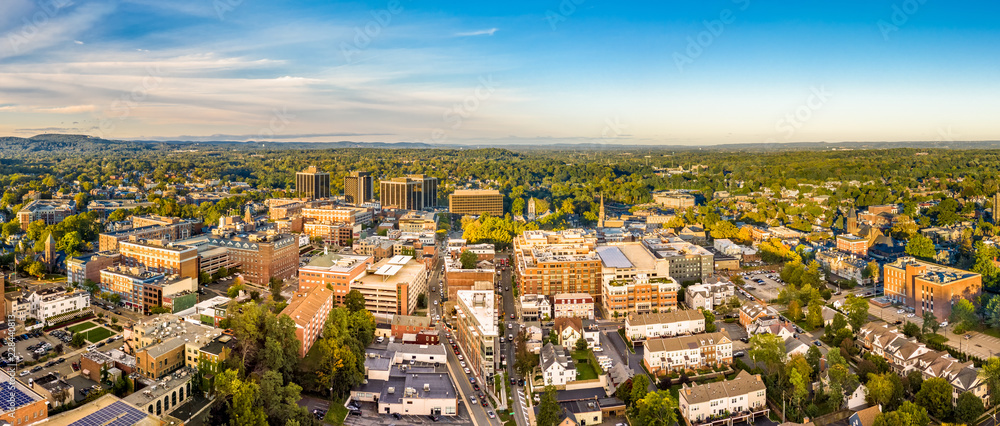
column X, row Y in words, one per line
column 510, row 325
column 468, row 371
column 435, row 302
column 900, row 311
column 462, row 363
column 472, row 399
column 910, row 315
column 944, row 324
column 461, row 358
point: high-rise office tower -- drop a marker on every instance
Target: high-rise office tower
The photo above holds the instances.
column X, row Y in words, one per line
column 414, row 192
column 312, row 183
column 358, row 187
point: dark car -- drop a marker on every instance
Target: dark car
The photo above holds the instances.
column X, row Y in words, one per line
column 475, row 386
column 433, row 418
column 817, row 343
column 396, row 416
column 36, row 369
column 513, row 381
column 483, row 401
column 355, row 412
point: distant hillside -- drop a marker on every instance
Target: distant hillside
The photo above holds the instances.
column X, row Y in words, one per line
column 11, row 146
column 64, row 144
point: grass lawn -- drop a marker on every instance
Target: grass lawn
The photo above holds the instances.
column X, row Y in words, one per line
column 989, row 331
column 312, row 360
column 935, row 338
column 584, row 371
column 76, row 328
column 337, row 412
column 97, row 334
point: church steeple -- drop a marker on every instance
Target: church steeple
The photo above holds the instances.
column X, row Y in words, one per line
column 600, row 217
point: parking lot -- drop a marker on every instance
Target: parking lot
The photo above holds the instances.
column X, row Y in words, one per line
column 768, row 289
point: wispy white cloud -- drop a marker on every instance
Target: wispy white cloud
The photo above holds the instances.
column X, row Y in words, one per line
column 488, row 32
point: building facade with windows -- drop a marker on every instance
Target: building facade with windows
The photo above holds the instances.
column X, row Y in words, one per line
column 168, row 259
column 333, row 270
column 358, row 187
column 929, row 287
column 673, row 354
column 414, row 192
column 740, row 399
column 477, row 329
column 312, row 183
column 476, row 202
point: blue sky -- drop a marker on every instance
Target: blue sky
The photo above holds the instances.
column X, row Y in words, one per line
column 570, row 71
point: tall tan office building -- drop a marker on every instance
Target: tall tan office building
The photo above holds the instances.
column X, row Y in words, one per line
column 476, row 202
column 312, row 183
column 358, row 188
column 414, row 192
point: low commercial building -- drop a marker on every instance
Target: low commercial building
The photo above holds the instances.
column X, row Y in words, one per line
column 106, row 407
column 58, row 303
column 309, row 310
column 174, row 293
column 573, row 305
column 402, row 325
column 742, row 399
column 21, row 405
column 339, row 234
column 670, row 354
column 674, row 199
column 56, row 390
column 457, row 278
column 404, row 389
column 664, row 324
column 338, row 214
column 558, row 369
column 416, row 221
column 211, row 257
column 333, row 270
column 476, row 329
column 391, row 286
column 164, row 396
column 93, row 362
column 929, row 287
column 534, row 307
column 166, row 343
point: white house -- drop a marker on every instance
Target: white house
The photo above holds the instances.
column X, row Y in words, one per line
column 573, row 305
column 713, row 292
column 742, row 398
column 51, row 302
column 557, row 368
column 666, row 324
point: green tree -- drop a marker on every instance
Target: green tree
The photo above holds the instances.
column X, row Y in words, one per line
column 963, row 314
column 581, row 345
column 468, row 259
column 879, row 389
column 968, row 408
column 911, row 330
column 640, row 387
column 78, row 340
column 354, row 301
column 36, row 269
column 71, row 243
column 935, row 395
column 857, row 311
column 921, row 247
column 241, row 399
column 710, row 326
column 656, row 409
column 795, row 311
column 815, row 317
column 548, row 408
column 813, row 356
column 990, row 373
column 930, row 323
column 768, row 349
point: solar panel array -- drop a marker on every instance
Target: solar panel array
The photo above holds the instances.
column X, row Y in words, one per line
column 116, row 414
column 20, row 398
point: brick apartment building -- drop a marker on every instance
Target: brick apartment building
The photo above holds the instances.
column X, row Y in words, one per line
column 179, row 260
column 926, row 286
column 262, row 256
column 309, row 310
column 334, row 270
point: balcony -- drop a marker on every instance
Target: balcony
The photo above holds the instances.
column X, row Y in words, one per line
column 729, row 419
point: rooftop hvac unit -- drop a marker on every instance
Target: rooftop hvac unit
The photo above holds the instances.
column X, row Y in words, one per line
column 391, row 390
column 427, row 387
